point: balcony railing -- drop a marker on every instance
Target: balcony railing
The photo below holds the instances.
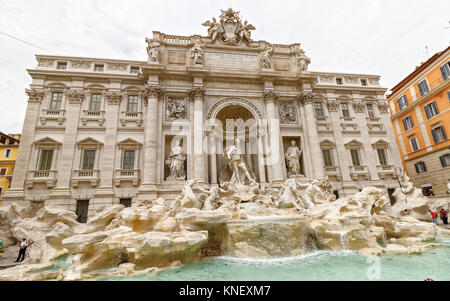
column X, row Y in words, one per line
column 384, row 170
column 359, row 170
column 332, row 171
column 88, row 115
column 86, row 175
column 47, row 177
column 131, row 117
column 123, row 175
column 51, row 114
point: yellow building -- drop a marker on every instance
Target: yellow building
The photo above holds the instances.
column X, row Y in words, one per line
column 420, row 113
column 9, row 145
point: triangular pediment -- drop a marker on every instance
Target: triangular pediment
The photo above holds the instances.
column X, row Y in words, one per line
column 47, row 141
column 89, row 141
column 353, row 143
column 129, row 142
column 327, row 142
column 380, row 143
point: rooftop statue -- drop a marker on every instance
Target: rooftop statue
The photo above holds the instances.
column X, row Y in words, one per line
column 230, row 30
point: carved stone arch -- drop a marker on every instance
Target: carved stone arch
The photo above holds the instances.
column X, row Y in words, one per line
column 95, row 86
column 344, row 98
column 234, row 101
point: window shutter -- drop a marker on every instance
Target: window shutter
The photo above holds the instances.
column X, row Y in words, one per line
column 417, row 167
column 427, row 112
column 424, row 166
column 444, row 72
column 443, row 133
column 442, row 160
column 433, row 133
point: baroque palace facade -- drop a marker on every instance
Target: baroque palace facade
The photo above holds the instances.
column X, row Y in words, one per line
column 100, row 131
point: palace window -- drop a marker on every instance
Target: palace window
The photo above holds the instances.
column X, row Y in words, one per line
column 88, row 159
column 438, row 134
column 414, row 144
column 382, row 156
column 3, row 171
column 423, row 87
column 327, row 157
column 45, row 159
column 99, row 68
column 134, row 70
column 55, row 102
column 363, row 82
column 61, row 66
column 431, row 109
column 128, row 160
column 318, row 109
column 132, row 104
column 402, row 102
column 370, row 112
column 407, row 123
column 94, row 105
column 445, row 160
column 344, row 109
column 420, row 167
column 356, row 158
column 7, row 153
column 1, row 190
column 339, row 81
column 82, row 210
column 445, row 70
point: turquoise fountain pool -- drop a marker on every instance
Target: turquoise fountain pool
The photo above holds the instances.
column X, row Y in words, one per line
column 315, row 266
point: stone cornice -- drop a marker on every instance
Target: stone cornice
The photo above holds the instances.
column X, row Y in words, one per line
column 34, row 95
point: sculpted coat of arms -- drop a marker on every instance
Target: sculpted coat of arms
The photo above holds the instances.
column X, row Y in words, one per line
column 229, row 30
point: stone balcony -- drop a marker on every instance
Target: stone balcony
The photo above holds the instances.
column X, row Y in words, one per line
column 90, row 176
column 57, row 115
column 384, row 170
column 98, row 116
column 47, row 177
column 136, row 117
column 126, row 175
column 332, row 172
column 359, row 171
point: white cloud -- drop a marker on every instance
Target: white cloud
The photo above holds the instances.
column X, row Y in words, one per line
column 356, row 36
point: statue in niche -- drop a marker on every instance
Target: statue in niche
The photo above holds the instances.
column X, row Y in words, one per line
column 175, row 161
column 239, row 170
column 176, row 109
column 197, row 54
column 293, row 155
column 152, row 51
column 303, row 60
column 287, row 111
column 266, row 58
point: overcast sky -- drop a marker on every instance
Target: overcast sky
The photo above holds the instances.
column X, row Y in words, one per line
column 384, row 37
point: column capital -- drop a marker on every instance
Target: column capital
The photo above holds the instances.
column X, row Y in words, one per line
column 113, row 97
column 153, row 91
column 270, row 96
column 383, row 106
column 34, row 95
column 333, row 105
column 196, row 92
column 75, row 96
column 358, row 106
column 305, row 97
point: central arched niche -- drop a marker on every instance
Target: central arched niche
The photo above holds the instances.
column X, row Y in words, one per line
column 241, row 124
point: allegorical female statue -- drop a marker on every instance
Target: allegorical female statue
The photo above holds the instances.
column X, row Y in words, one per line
column 175, row 161
column 292, row 156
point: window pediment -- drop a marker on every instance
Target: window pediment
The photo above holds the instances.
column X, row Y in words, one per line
column 89, row 142
column 353, row 144
column 380, row 144
column 47, row 141
column 129, row 143
column 327, row 144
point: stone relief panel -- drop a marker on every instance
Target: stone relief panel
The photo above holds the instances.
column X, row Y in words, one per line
column 46, row 63
column 176, row 57
column 287, row 112
column 117, row 67
column 80, row 64
column 231, row 60
column 176, row 108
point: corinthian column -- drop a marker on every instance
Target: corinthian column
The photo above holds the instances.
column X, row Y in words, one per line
column 16, row 191
column 153, row 95
column 199, row 158
column 306, row 99
column 273, row 124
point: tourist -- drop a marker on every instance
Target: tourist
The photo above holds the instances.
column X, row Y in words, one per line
column 405, row 212
column 23, row 249
column 444, row 216
column 1, row 247
column 433, row 216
